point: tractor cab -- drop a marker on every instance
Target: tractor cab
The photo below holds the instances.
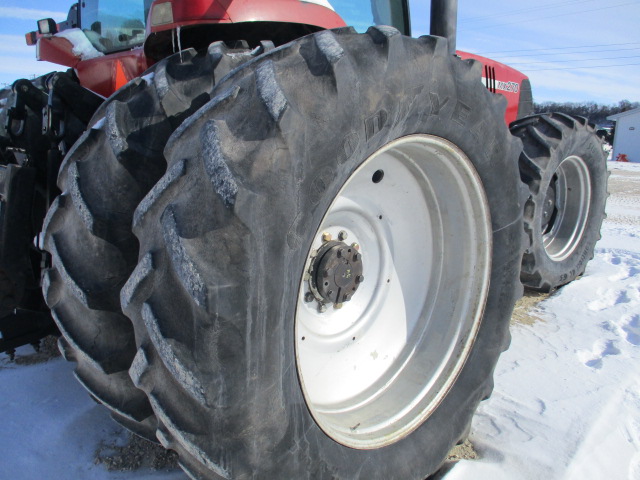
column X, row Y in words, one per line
column 112, row 25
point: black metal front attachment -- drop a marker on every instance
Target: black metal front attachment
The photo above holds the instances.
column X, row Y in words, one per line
column 23, row 327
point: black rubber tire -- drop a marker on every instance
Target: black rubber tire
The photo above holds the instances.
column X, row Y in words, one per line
column 88, row 228
column 225, row 233
column 548, row 140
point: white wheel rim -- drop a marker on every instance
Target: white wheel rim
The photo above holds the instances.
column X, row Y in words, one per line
column 572, row 203
column 375, row 369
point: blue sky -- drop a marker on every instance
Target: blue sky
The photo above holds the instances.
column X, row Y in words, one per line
column 548, row 40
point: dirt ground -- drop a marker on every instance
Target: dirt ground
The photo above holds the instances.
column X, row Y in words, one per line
column 45, row 351
column 525, row 309
column 135, row 454
column 625, row 186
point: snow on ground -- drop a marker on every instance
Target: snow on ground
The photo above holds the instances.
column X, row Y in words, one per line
column 50, row 428
column 566, row 403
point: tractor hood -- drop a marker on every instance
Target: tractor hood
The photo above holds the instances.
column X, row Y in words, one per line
column 167, row 15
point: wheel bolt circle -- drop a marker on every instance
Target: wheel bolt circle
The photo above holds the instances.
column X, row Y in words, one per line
column 335, row 270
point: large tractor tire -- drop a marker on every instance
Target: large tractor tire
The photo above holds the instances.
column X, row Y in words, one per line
column 88, row 228
column 329, row 265
column 565, row 167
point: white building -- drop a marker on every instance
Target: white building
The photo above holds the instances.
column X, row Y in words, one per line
column 627, row 138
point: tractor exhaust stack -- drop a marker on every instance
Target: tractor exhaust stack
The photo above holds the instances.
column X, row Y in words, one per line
column 444, row 21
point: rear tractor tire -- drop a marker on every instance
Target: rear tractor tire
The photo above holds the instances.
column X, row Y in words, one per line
column 88, row 228
column 565, row 167
column 329, row 265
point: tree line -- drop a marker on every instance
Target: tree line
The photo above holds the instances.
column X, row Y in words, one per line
column 595, row 112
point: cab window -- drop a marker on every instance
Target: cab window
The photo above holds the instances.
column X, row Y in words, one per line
column 361, row 14
column 114, row 25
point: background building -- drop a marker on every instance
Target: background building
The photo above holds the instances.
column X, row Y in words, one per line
column 627, row 137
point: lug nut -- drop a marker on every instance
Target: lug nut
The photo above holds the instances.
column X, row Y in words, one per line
column 322, row 308
column 308, row 297
column 326, row 237
column 338, row 306
column 356, row 246
column 360, row 279
column 342, row 236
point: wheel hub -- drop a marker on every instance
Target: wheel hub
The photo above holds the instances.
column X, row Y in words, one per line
column 336, row 272
column 549, row 206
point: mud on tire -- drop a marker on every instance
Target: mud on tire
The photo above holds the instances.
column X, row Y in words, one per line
column 226, row 233
column 88, row 228
column 564, row 165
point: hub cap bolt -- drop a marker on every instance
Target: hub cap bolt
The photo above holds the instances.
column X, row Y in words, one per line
column 326, row 237
column 322, row 308
column 342, row 236
column 308, row 297
column 356, row 246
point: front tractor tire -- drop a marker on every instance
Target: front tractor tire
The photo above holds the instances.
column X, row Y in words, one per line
column 328, row 267
column 565, row 168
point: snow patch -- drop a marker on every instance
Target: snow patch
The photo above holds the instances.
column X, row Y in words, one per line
column 148, row 78
column 99, row 124
column 322, row 3
column 82, row 47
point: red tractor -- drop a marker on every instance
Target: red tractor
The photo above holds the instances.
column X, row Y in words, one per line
column 281, row 247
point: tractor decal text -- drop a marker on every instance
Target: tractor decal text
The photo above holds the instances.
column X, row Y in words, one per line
column 461, row 113
column 512, row 87
column 436, row 103
column 375, row 123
